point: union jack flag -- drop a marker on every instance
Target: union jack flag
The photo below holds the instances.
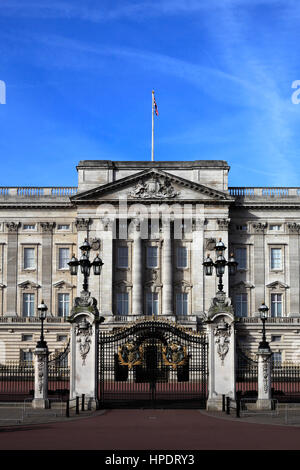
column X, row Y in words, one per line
column 155, row 106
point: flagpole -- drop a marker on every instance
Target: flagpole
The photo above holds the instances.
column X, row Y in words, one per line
column 152, row 147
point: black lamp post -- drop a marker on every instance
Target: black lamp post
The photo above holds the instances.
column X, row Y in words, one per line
column 263, row 311
column 42, row 308
column 85, row 264
column 220, row 264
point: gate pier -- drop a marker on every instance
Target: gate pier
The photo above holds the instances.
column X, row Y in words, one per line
column 85, row 322
column 221, row 358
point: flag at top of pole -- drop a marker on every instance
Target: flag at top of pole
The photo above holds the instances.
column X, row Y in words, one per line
column 154, row 110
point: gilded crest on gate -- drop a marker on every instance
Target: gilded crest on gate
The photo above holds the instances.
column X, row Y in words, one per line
column 130, row 355
column 174, row 355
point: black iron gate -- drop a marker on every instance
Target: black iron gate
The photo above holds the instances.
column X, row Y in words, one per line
column 150, row 364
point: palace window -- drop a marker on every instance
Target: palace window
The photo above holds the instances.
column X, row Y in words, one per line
column 241, row 305
column 152, row 303
column 276, row 305
column 26, row 356
column 182, row 304
column 241, row 257
column 63, row 227
column 29, row 258
column 28, row 305
column 27, row 337
column 275, row 228
column 28, row 226
column 122, row 303
column 276, row 258
column 182, row 259
column 276, row 357
column 62, row 338
column 63, row 258
column 63, row 305
column 152, row 257
column 275, row 338
column 122, row 257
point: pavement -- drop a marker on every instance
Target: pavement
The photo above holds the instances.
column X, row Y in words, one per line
column 147, row 430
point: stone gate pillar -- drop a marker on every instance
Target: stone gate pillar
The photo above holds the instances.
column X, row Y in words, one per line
column 264, row 401
column 221, row 354
column 41, row 378
column 85, row 322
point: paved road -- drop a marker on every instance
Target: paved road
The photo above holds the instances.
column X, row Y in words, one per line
column 150, row 430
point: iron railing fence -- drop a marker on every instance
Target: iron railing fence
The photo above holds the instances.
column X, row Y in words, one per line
column 246, row 375
column 285, row 379
column 17, row 381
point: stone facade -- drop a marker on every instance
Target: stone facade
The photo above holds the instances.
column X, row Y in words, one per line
column 152, row 223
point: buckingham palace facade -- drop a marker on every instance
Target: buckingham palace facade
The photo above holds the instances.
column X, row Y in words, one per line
column 153, row 224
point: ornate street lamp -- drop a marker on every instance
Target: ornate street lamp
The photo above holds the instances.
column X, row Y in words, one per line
column 263, row 311
column 85, row 264
column 220, row 264
column 42, row 308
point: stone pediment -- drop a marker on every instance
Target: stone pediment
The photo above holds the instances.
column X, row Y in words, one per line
column 63, row 285
column 151, row 185
column 28, row 285
column 277, row 285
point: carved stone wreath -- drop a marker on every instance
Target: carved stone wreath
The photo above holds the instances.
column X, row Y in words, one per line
column 83, row 332
column 222, row 334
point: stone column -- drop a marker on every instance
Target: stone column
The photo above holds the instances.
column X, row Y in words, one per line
column 197, row 267
column 12, row 268
column 221, row 355
column 167, row 270
column 264, row 401
column 259, row 263
column 47, row 261
column 137, row 269
column 82, row 226
column 294, row 268
column 106, row 277
column 40, row 378
column 84, row 321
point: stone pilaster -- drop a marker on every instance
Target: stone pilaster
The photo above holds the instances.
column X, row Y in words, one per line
column 197, row 267
column 41, row 378
column 137, row 269
column 47, row 259
column 106, row 277
column 264, row 401
column 259, row 263
column 294, row 290
column 12, row 268
column 167, row 270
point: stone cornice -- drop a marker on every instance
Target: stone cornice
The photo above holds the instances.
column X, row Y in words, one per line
column 94, row 195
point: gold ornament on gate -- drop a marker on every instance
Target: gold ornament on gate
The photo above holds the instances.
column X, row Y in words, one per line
column 130, row 355
column 174, row 355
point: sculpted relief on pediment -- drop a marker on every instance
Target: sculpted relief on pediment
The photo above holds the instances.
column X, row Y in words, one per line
column 154, row 188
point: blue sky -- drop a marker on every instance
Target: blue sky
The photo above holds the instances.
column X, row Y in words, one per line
column 79, row 77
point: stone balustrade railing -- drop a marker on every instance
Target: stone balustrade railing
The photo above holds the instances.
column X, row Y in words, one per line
column 32, row 320
column 286, row 320
column 270, row 192
column 26, row 191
